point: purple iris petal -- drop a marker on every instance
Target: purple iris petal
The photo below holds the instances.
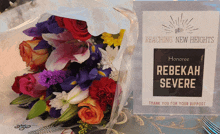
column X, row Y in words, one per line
column 83, row 76
column 33, row 32
column 95, row 56
column 42, row 45
column 93, row 74
column 55, row 113
column 84, row 79
column 85, row 85
column 93, row 60
column 54, row 28
column 42, row 27
column 99, row 46
column 66, row 85
column 49, row 91
column 106, row 72
column 96, row 49
column 49, row 26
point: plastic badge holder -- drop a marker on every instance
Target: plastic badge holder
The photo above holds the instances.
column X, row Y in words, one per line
column 178, row 58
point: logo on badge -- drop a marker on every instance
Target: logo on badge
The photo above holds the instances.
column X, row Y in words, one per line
column 179, row 25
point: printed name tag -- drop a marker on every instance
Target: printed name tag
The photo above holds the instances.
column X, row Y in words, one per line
column 179, row 57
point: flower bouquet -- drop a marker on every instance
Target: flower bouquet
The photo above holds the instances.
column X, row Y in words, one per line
column 72, row 76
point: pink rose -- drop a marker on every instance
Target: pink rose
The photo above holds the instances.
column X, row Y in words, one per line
column 28, row 84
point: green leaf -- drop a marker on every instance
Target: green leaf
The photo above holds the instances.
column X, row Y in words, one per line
column 23, row 99
column 68, row 114
column 38, row 109
column 48, row 98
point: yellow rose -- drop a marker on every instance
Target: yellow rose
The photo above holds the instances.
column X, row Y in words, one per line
column 35, row 59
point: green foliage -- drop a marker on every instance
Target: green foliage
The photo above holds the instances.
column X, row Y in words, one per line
column 84, row 127
column 70, row 112
column 38, row 109
column 103, row 123
column 23, row 99
column 46, row 99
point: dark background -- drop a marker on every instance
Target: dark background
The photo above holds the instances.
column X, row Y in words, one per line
column 196, row 58
column 4, row 4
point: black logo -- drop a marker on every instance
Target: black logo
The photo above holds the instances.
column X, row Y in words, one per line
column 179, row 25
column 22, row 127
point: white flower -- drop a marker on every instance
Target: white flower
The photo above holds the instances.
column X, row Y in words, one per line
column 63, row 100
column 114, row 75
column 108, row 57
column 60, row 102
column 76, row 95
column 68, row 131
column 112, row 52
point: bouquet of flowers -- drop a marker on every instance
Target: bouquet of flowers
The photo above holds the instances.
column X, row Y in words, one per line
column 72, row 77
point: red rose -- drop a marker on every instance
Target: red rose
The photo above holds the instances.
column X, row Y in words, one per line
column 76, row 27
column 28, row 84
column 103, row 91
column 59, row 21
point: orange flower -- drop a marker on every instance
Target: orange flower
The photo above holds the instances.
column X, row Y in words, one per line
column 91, row 115
column 34, row 58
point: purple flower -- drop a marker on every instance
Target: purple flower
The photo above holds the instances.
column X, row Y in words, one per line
column 49, row 91
column 103, row 73
column 42, row 45
column 48, row 78
column 49, row 26
column 72, row 81
column 69, row 83
column 84, row 79
column 95, row 55
column 55, row 113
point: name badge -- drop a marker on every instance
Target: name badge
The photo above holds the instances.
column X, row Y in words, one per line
column 179, row 57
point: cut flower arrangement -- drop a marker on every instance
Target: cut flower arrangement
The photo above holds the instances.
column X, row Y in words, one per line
column 73, row 78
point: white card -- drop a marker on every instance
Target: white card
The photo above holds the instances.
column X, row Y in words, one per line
column 179, row 57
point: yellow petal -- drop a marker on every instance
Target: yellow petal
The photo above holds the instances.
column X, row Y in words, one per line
column 101, row 73
column 73, row 83
column 93, row 49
